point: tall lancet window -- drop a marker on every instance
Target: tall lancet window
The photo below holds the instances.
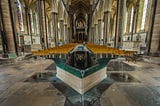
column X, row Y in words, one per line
column 20, row 17
column 126, row 19
column 131, row 21
column 144, row 14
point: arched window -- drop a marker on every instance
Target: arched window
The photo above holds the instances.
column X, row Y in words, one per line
column 144, row 14
column 131, row 21
column 126, row 19
column 20, row 17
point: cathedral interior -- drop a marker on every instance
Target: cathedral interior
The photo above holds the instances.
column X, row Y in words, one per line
column 79, row 52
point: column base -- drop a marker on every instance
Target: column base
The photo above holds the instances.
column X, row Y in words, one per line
column 12, row 55
column 155, row 54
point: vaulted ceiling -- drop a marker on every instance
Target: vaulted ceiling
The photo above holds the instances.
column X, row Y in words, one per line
column 74, row 2
column 76, row 5
column 33, row 5
column 79, row 5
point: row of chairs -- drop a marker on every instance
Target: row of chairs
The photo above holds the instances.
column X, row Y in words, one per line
column 98, row 49
column 64, row 49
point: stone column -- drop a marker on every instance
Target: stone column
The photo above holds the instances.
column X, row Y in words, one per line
column 107, row 15
column 133, row 24
column 7, row 25
column 55, row 27
column 16, row 24
column 90, row 26
column 136, row 17
column 35, row 24
column 69, row 35
column 61, row 24
column 106, row 26
column 139, row 18
column 99, row 30
column 65, row 34
column 96, row 38
column 148, row 15
column 86, row 31
column 25, row 21
column 128, row 22
column 74, row 27
column 49, row 28
column 90, row 35
column 30, row 26
column 112, row 27
column 40, row 23
column 71, row 26
column 3, row 38
column 153, row 41
column 121, row 5
column 93, row 35
column 43, row 23
column 49, row 33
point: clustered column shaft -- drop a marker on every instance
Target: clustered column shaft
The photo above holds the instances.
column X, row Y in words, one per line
column 7, row 24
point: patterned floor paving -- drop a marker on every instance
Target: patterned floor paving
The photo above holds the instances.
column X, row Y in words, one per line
column 19, row 86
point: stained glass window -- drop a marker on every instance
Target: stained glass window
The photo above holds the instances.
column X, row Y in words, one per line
column 20, row 17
